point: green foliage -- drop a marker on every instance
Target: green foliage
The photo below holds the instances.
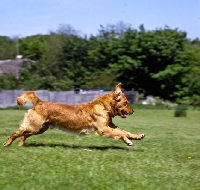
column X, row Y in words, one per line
column 8, row 82
column 100, row 80
column 69, row 59
column 32, row 47
column 167, row 158
column 63, row 84
column 7, row 48
column 161, row 62
column 180, row 111
column 30, row 76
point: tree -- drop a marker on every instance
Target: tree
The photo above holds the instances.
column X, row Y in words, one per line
column 102, row 80
column 142, row 55
column 8, row 82
column 161, row 62
column 7, row 48
column 32, row 47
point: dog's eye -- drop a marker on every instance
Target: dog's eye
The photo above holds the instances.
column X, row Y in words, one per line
column 125, row 103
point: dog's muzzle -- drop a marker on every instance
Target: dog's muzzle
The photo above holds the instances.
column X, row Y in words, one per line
column 125, row 113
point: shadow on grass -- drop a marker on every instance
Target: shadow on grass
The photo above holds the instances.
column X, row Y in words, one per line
column 81, row 147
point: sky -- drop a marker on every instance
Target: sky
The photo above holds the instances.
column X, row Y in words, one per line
column 31, row 17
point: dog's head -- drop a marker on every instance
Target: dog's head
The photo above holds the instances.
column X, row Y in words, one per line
column 121, row 106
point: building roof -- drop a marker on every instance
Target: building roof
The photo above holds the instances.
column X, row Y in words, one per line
column 11, row 66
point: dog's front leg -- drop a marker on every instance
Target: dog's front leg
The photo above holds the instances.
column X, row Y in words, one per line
column 128, row 134
column 114, row 133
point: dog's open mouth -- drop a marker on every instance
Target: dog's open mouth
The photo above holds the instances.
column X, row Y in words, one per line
column 124, row 114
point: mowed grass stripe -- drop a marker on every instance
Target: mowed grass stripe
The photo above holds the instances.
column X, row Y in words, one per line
column 168, row 157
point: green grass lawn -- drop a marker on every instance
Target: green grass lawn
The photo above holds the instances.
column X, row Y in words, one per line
column 168, row 157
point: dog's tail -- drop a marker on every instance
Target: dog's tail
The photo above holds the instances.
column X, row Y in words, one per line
column 27, row 97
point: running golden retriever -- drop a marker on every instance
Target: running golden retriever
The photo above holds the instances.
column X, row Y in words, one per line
column 81, row 119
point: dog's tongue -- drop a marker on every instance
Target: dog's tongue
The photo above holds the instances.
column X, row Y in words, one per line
column 123, row 116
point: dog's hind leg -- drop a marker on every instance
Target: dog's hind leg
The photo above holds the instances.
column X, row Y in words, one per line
column 13, row 137
column 22, row 139
column 24, row 134
column 27, row 134
column 32, row 124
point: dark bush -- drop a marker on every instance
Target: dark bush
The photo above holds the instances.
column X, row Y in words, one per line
column 180, row 111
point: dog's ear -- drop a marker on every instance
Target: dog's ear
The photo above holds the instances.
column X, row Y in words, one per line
column 118, row 87
column 118, row 92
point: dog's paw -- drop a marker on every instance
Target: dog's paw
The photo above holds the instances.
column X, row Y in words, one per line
column 4, row 144
column 130, row 143
column 142, row 136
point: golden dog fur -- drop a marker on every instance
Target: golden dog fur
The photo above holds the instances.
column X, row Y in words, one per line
column 81, row 119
